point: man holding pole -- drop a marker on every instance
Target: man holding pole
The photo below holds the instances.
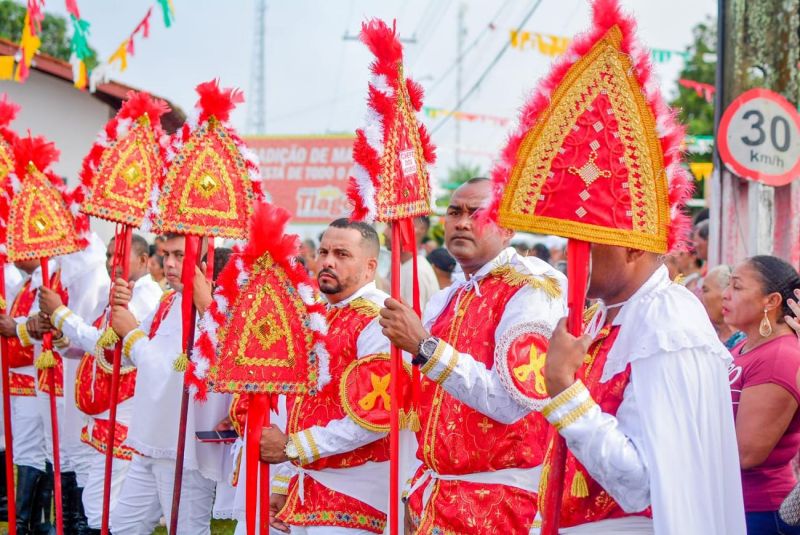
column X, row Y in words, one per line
column 642, row 437
column 153, row 348
column 480, row 447
column 93, row 378
column 336, row 482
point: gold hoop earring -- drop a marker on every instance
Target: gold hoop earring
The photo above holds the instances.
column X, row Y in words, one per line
column 765, row 328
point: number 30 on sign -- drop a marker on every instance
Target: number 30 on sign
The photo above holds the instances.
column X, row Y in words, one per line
column 759, row 138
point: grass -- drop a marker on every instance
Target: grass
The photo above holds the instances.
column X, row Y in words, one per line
column 218, row 527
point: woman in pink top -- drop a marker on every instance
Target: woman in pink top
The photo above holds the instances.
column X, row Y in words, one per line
column 764, row 387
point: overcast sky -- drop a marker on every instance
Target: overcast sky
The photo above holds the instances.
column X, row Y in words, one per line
column 316, row 81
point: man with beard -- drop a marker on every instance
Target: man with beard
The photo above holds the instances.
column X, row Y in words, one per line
column 336, row 481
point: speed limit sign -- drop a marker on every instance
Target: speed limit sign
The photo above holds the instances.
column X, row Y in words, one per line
column 759, row 138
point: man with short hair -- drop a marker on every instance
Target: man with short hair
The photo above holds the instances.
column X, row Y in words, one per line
column 93, row 378
column 153, row 349
column 336, row 482
column 480, row 447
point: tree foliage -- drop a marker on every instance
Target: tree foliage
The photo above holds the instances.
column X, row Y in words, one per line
column 695, row 111
column 54, row 36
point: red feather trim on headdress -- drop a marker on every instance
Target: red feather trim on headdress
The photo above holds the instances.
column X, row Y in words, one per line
column 217, row 102
column 382, row 114
column 8, row 111
column 605, row 15
column 266, row 237
column 37, row 151
column 36, row 154
column 137, row 105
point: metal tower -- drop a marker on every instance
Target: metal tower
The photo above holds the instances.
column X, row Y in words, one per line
column 257, row 110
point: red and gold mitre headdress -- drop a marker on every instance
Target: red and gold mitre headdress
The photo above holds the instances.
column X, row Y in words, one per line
column 213, row 180
column 264, row 332
column 125, row 162
column 391, row 153
column 8, row 111
column 43, row 220
column 596, row 156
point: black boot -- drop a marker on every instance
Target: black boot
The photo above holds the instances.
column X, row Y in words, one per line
column 71, row 504
column 28, row 479
column 79, row 515
column 40, row 520
column 3, row 491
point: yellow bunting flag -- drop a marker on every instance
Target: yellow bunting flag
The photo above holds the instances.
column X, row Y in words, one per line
column 6, row 67
column 120, row 54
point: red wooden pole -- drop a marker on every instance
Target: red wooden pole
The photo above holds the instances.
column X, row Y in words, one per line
column 47, row 344
column 577, row 275
column 124, row 236
column 10, row 489
column 191, row 259
column 394, row 413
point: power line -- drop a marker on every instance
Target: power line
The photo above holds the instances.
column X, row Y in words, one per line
column 469, row 48
column 491, row 65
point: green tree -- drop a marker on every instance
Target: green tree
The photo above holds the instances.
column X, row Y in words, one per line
column 55, row 40
column 695, row 111
column 455, row 177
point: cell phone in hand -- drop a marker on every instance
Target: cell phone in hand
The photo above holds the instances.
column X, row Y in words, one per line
column 224, row 437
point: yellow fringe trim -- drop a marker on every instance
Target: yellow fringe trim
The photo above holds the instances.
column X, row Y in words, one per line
column 46, row 360
column 410, row 421
column 580, row 489
column 547, row 284
column 181, row 363
column 2, row 302
column 109, row 338
column 589, row 313
column 365, row 306
column 543, row 483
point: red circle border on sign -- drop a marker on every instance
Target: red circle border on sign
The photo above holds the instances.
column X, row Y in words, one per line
column 724, row 149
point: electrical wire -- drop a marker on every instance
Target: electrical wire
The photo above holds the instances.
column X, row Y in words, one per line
column 488, row 69
column 469, row 48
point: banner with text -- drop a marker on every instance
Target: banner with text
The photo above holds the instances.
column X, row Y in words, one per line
column 307, row 175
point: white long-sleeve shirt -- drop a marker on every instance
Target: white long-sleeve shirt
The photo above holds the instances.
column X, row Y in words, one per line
column 672, row 444
column 153, row 431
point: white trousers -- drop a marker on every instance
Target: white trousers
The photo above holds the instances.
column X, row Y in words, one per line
column 146, row 496
column 93, row 489
column 241, row 529
column 27, row 432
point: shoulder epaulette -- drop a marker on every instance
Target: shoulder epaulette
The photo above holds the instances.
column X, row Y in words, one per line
column 365, row 306
column 546, row 283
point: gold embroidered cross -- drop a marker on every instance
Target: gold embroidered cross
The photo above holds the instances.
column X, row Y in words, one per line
column 485, row 425
column 534, row 366
column 380, row 389
column 590, row 171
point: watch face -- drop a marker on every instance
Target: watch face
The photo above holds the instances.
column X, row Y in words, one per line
column 429, row 347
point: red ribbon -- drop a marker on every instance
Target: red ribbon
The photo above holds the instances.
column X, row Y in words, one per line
column 578, row 277
column 10, row 488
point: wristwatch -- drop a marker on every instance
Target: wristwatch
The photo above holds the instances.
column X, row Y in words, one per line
column 425, row 351
column 291, row 450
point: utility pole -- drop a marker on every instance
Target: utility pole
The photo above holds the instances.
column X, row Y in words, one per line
column 257, row 110
column 461, row 34
column 758, row 46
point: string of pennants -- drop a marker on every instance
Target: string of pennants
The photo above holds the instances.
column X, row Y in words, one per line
column 17, row 67
column 554, row 45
